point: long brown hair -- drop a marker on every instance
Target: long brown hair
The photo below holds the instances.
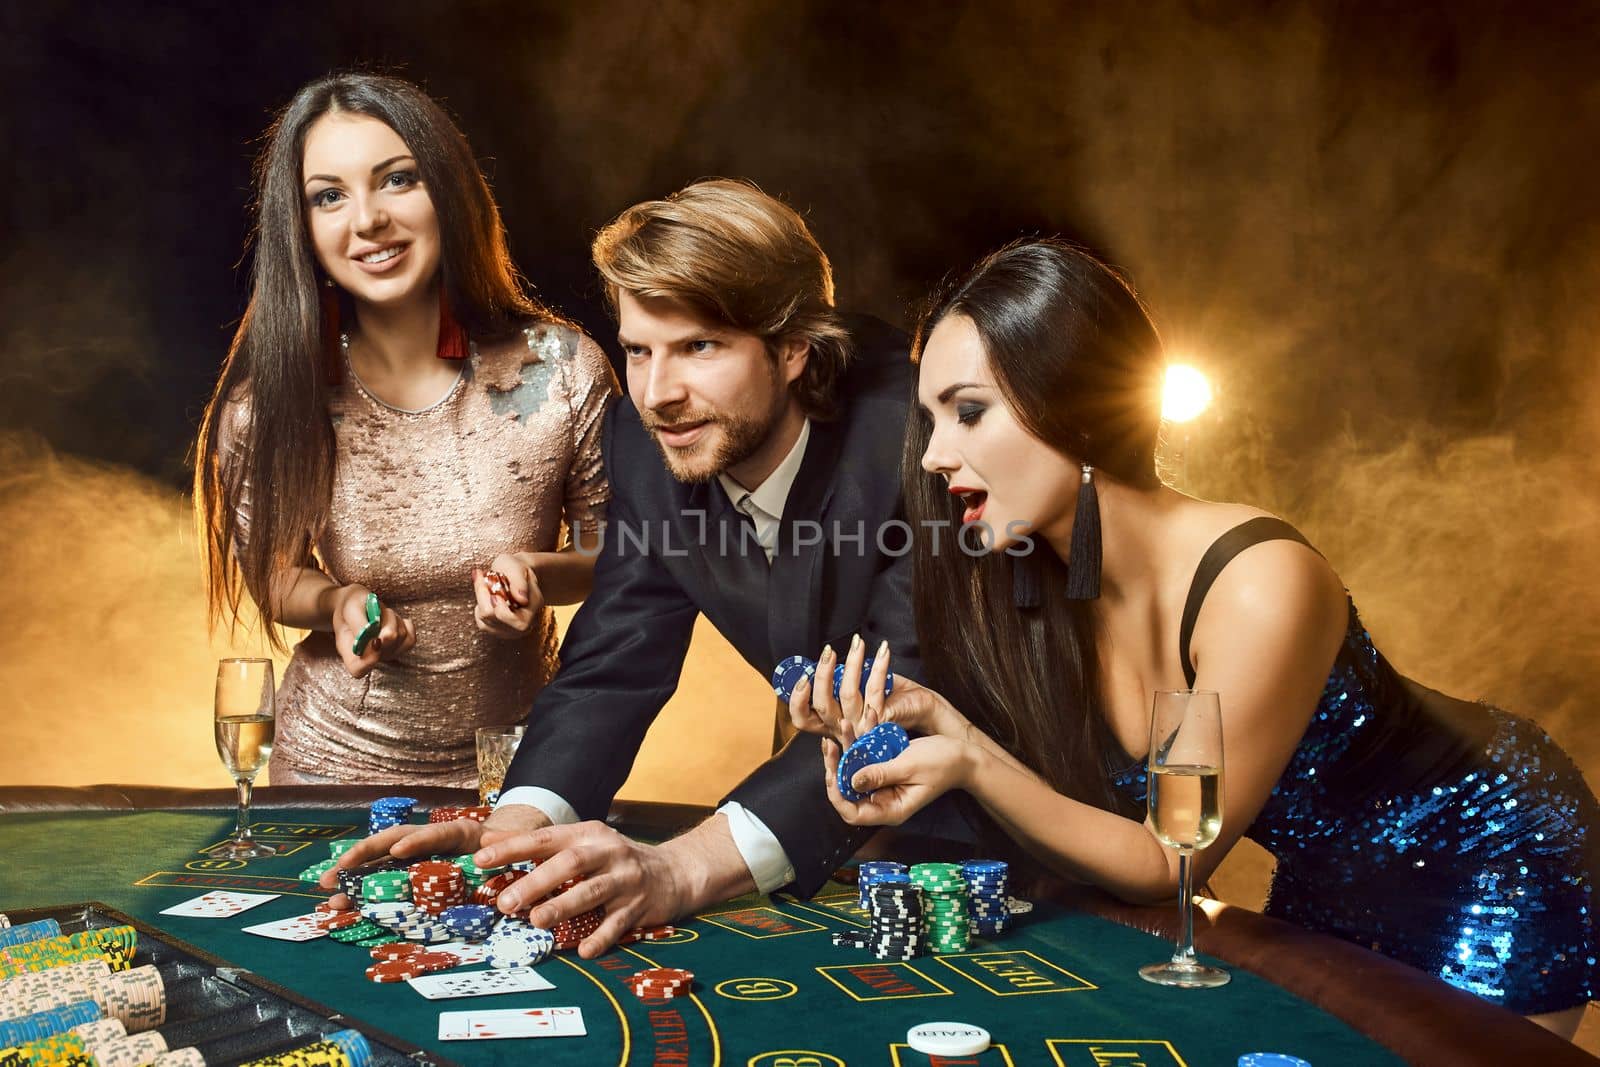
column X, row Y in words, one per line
column 739, row 257
column 1079, row 364
column 274, row 368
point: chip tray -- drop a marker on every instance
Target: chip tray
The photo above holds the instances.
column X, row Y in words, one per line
column 230, row 1014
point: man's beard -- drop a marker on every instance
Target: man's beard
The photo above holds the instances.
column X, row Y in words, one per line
column 741, row 436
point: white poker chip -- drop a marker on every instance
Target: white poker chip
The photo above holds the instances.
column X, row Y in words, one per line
column 948, row 1039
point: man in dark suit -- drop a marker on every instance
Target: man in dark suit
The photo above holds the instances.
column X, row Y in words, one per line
column 754, row 469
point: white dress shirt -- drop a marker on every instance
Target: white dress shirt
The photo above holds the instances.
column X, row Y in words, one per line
column 763, row 854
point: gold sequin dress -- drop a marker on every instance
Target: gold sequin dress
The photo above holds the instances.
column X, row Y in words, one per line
column 507, row 461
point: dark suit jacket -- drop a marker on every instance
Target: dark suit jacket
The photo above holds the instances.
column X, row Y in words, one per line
column 664, row 563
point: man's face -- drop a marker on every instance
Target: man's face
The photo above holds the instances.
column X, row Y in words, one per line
column 709, row 395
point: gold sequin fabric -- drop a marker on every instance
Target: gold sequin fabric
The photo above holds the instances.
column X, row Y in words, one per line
column 507, row 461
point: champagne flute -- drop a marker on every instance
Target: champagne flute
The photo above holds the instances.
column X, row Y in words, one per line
column 1185, row 812
column 245, row 718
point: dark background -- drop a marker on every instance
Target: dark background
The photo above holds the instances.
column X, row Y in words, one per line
column 1374, row 226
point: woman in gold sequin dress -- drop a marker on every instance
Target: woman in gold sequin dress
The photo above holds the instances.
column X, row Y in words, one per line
column 396, row 417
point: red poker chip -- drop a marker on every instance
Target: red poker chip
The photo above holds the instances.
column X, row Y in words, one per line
column 663, row 976
column 394, row 971
column 476, row 814
column 338, row 920
column 435, row 961
column 327, row 908
column 396, row 950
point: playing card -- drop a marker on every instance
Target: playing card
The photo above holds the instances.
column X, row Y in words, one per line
column 295, row 928
column 219, row 904
column 478, row 983
column 511, row 1022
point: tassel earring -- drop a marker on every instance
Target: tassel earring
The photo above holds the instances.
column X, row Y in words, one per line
column 332, row 351
column 1083, row 566
column 452, row 338
column 1025, row 579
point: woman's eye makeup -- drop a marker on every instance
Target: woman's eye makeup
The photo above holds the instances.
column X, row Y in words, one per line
column 968, row 413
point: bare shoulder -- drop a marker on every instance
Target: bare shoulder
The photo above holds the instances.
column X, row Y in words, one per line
column 1280, row 584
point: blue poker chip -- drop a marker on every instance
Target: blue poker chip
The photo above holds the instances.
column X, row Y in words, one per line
column 866, row 672
column 880, row 744
column 787, row 675
column 1271, row 1059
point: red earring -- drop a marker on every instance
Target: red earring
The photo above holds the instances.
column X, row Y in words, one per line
column 452, row 338
column 332, row 351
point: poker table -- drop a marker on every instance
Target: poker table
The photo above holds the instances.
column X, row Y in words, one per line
column 771, row 990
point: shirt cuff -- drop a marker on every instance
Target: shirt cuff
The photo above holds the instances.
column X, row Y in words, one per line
column 763, row 853
column 554, row 806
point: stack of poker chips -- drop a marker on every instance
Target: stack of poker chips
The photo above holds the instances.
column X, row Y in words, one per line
column 949, row 928
column 515, row 944
column 437, row 885
column 469, row 922
column 344, row 1048
column 136, row 997
column 351, row 878
column 571, row 931
column 489, row 891
column 476, row 814
column 788, row 674
column 869, row 872
column 880, row 744
column 660, row 983
column 116, row 944
column 987, row 882
column 899, row 921
column 34, row 931
column 476, row 876
column 390, row 811
column 39, row 1025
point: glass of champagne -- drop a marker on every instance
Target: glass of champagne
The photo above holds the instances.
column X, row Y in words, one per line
column 1185, row 812
column 245, row 717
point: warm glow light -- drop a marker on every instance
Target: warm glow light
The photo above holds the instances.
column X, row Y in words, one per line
column 1186, row 393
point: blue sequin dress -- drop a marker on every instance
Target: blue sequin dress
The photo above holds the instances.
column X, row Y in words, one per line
column 1451, row 836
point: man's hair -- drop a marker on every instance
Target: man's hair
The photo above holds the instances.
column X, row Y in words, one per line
column 741, row 258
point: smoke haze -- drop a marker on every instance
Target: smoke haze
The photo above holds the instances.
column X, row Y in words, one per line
column 1374, row 229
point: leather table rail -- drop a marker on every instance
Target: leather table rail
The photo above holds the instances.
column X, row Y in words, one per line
column 1421, row 1018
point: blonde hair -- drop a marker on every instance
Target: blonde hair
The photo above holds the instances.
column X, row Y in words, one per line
column 741, row 258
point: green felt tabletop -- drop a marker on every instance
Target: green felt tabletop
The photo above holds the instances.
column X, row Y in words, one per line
column 770, row 989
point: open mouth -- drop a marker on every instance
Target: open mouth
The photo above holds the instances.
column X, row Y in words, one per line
column 973, row 501
column 383, row 259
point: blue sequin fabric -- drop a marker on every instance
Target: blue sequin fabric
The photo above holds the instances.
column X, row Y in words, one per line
column 1451, row 836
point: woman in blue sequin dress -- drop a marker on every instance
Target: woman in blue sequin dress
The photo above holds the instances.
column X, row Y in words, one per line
column 1448, row 835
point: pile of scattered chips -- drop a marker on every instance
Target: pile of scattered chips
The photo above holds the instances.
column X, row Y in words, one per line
column 397, row 962
column 987, row 907
column 389, row 811
column 660, row 983
column 949, row 926
column 880, row 744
